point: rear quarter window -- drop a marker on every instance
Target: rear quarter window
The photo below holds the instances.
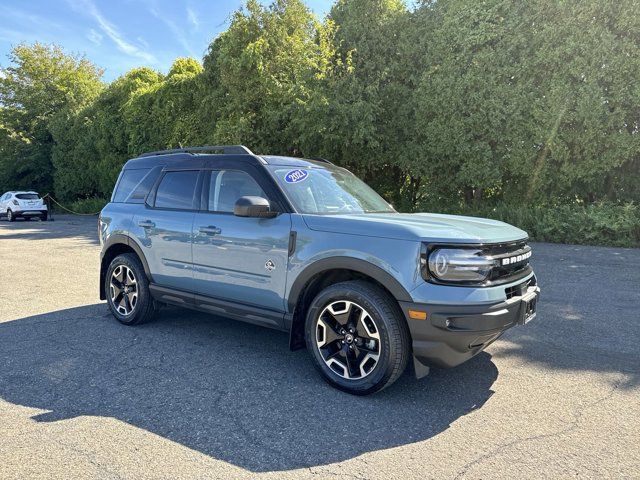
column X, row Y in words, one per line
column 134, row 184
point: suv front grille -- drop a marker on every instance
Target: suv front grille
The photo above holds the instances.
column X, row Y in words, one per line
column 511, row 253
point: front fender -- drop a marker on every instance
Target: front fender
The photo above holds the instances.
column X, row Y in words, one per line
column 345, row 263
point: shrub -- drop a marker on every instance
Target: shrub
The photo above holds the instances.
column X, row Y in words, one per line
column 88, row 205
column 609, row 224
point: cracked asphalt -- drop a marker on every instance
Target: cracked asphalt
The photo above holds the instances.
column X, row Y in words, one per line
column 197, row 396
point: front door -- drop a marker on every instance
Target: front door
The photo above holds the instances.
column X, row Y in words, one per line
column 238, row 259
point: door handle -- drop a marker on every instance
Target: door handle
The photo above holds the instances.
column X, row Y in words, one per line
column 146, row 224
column 210, row 230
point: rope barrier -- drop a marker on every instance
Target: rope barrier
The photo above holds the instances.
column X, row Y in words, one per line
column 67, row 209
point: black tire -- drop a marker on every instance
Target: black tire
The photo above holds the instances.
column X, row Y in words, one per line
column 10, row 216
column 144, row 308
column 44, row 217
column 393, row 346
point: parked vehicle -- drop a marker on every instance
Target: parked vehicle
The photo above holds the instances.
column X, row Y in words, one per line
column 306, row 247
column 25, row 205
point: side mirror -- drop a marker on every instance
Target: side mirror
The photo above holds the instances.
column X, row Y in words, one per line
column 256, row 207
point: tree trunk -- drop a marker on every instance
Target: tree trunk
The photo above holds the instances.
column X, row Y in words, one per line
column 468, row 195
column 477, row 196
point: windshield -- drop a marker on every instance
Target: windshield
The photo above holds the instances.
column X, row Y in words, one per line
column 328, row 190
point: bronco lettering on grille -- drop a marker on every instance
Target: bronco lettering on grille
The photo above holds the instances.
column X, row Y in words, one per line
column 516, row 259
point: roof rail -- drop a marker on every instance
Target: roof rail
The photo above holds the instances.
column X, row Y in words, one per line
column 224, row 149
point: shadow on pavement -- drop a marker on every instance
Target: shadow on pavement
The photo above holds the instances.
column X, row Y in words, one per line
column 84, row 228
column 227, row 389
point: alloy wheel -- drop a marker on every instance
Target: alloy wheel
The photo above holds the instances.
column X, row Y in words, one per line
column 124, row 290
column 348, row 339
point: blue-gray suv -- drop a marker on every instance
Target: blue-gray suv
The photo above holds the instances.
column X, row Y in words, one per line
column 304, row 246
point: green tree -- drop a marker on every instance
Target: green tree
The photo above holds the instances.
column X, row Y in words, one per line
column 361, row 115
column 40, row 83
column 92, row 145
column 586, row 108
column 261, row 72
column 166, row 114
column 530, row 101
column 471, row 100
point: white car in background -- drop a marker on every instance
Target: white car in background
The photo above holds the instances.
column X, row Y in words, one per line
column 22, row 204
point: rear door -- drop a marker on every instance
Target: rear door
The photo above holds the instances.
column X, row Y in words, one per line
column 163, row 228
column 238, row 259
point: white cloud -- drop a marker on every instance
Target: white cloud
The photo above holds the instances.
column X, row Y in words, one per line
column 142, row 42
column 111, row 31
column 12, row 36
column 193, row 18
column 16, row 17
column 94, row 37
column 177, row 31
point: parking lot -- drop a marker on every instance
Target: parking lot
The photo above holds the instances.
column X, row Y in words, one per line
column 196, row 396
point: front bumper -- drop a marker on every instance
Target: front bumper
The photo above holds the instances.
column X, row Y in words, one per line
column 452, row 334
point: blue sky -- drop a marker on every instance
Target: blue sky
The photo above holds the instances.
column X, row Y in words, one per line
column 123, row 34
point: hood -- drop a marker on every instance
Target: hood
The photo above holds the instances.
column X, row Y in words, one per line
column 430, row 227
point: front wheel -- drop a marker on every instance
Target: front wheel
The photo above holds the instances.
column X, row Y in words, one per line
column 127, row 290
column 357, row 337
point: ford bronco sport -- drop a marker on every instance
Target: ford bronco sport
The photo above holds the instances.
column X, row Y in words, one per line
column 306, row 247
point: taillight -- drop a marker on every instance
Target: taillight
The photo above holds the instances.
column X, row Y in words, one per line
column 15, row 202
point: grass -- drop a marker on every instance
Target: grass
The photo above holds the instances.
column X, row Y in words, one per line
column 86, row 206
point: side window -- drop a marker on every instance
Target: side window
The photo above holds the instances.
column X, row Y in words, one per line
column 176, row 190
column 129, row 180
column 139, row 192
column 227, row 186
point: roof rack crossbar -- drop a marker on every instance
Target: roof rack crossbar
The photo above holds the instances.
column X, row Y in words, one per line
column 224, row 149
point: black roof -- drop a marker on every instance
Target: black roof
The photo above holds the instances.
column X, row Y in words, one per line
column 198, row 157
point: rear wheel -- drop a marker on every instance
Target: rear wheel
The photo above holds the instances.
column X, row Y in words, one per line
column 127, row 290
column 10, row 216
column 357, row 337
column 43, row 216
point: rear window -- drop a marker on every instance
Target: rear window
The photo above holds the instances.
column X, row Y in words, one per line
column 129, row 182
column 176, row 190
column 27, row 196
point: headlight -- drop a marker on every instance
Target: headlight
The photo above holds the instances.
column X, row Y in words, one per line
column 457, row 265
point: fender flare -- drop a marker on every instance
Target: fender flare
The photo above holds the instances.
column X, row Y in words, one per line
column 120, row 239
column 346, row 263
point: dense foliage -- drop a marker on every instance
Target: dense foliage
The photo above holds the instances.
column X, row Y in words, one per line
column 490, row 107
column 43, row 86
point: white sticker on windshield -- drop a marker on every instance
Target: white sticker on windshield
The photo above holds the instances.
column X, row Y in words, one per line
column 295, row 176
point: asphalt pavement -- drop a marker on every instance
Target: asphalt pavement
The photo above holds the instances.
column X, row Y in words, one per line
column 196, row 396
